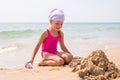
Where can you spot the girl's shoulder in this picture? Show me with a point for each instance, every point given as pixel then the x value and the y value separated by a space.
pixel 61 33
pixel 44 33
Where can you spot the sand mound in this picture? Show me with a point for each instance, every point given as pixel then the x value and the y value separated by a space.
pixel 95 67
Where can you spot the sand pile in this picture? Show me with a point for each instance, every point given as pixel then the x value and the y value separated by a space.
pixel 95 67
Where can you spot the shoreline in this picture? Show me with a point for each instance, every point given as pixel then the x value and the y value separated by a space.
pixel 53 73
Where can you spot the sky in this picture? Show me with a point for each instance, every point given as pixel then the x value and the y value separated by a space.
pixel 74 10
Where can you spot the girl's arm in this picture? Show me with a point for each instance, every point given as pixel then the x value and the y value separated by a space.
pixel 42 37
pixel 63 47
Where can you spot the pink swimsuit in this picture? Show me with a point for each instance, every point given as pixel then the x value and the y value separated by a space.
pixel 50 43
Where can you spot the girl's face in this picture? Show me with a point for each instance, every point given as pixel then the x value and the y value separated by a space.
pixel 56 25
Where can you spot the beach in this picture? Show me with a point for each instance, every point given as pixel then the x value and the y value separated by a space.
pixel 52 73
pixel 17 42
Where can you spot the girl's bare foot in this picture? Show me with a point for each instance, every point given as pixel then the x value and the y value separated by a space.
pixel 41 63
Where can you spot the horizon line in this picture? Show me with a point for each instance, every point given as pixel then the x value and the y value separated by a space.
pixel 64 22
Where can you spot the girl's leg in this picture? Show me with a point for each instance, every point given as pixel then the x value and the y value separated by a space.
pixel 47 62
pixel 51 60
pixel 66 56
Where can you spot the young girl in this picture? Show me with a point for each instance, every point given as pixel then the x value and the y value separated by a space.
pixel 49 40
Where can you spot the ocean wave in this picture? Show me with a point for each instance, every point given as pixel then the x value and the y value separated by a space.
pixel 7 49
pixel 11 47
pixel 18 33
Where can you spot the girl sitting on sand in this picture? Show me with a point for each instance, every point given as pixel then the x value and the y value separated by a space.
pixel 49 40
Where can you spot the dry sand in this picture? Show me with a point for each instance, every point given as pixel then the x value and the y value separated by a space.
pixel 38 73
pixel 52 73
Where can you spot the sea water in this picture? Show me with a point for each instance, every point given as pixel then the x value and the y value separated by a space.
pixel 17 40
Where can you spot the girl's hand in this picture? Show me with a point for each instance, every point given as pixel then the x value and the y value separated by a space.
pixel 76 57
pixel 29 64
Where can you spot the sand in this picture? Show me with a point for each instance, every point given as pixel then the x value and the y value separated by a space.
pixel 38 73
pixel 53 73
pixel 96 66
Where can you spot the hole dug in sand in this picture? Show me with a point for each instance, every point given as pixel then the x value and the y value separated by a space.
pixel 95 67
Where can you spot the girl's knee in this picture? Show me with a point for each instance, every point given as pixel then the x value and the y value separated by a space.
pixel 68 58
pixel 71 56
